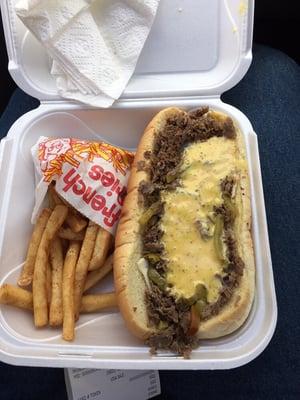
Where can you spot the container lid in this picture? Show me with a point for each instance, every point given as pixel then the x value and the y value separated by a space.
pixel 196 48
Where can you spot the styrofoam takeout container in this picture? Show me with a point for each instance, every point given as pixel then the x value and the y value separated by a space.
pixel 196 50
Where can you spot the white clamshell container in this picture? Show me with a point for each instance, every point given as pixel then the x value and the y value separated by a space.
pixel 196 50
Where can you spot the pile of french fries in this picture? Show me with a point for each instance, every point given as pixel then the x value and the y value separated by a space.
pixel 67 255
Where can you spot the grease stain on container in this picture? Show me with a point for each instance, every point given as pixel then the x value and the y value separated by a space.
pixel 243 8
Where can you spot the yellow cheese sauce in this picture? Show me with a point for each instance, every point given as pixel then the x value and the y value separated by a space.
pixel 191 258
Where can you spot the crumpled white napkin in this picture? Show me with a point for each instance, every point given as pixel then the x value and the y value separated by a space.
pixel 94 44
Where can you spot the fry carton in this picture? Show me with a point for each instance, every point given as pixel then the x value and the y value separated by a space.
pixel 91 176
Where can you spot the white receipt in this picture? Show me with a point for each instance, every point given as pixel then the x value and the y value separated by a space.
pixel 111 384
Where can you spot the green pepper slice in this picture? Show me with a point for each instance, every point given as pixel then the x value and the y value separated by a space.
pixel 218 243
pixel 230 206
pixel 199 306
pixel 200 294
pixel 156 278
pixel 148 214
pixel 153 258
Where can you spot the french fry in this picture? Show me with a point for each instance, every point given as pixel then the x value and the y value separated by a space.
pixel 85 255
pixel 98 302
pixel 51 200
pixel 54 198
pixel 49 282
pixel 68 290
pixel 21 298
pixel 96 276
pixel 67 233
pixel 102 246
pixel 26 275
pixel 39 284
pixel 16 296
pixel 57 263
pixel 65 244
pixel 76 222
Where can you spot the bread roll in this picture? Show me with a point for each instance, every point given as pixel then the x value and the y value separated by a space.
pixel 184 265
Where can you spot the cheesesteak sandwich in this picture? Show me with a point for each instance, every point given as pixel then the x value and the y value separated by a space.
pixel 184 265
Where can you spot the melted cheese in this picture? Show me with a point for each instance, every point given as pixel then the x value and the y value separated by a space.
pixel 191 259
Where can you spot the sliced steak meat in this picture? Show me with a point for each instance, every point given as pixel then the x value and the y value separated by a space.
pixel 164 308
pixel 227 186
pixel 172 317
pixel 149 193
pixel 180 131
